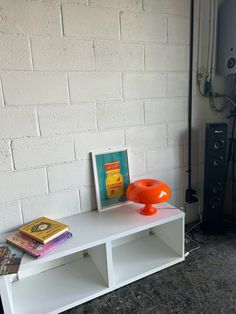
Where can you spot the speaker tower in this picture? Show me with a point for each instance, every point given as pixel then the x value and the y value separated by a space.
pixel 214 176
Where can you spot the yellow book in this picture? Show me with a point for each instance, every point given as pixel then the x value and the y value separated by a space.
pixel 43 229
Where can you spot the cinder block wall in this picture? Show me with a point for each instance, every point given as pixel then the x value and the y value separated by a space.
pixel 90 74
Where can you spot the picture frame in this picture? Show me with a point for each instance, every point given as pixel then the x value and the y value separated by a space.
pixel 111 177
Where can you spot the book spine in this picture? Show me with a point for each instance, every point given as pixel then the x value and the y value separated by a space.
pixel 54 243
pixel 45 241
pixel 54 236
pixel 31 236
pixel 24 247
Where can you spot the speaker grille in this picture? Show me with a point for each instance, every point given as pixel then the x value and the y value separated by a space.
pixel 214 175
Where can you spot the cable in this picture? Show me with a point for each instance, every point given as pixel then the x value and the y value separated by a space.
pixel 194 226
pixel 214 107
pixel 187 232
pixel 197 223
pixel 209 76
pixel 216 95
pixel 195 248
pixel 200 91
pixel 229 99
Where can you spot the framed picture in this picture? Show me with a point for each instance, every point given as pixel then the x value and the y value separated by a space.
pixel 111 176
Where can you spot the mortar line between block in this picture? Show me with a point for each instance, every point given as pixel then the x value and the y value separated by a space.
pixel 11 156
pixel 37 123
pixel 31 54
pixel 61 21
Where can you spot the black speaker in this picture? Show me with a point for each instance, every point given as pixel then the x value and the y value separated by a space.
pixel 214 176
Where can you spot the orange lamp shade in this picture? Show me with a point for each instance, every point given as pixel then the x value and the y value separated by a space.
pixel 148 192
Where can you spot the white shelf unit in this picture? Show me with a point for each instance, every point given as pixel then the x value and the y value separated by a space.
pixel 108 250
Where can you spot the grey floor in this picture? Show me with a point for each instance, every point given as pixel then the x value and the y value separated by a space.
pixel 204 283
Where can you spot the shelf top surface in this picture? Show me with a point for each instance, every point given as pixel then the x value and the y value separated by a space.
pixel 93 228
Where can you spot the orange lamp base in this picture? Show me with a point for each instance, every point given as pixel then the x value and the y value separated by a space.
pixel 148 210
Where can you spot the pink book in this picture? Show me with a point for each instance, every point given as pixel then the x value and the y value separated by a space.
pixel 34 247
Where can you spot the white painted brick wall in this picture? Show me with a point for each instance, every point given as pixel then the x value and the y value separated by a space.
pixel 37 152
pixel 77 22
pixel 159 175
pixel 78 76
pixel 177 197
pixel 177 7
pixel 14 220
pixel 130 5
pixel 17 185
pixel 5 158
pixel 177 132
pixel 95 86
pixel 16 123
pixel 67 118
pixel 178 30
pixel 143 27
pixel 137 164
pixel 70 175
pixel 176 178
pixel 26 88
pixel 83 2
pixel 145 85
pixel 165 109
pixel 87 142
pixel 120 114
pixel 119 56
pixel 88 199
pixel 198 150
pixel 58 54
pixel 29 17
pixel 177 84
pixel 55 206
pixel 165 158
pixel 149 136
pixel 166 57
pixel 14 53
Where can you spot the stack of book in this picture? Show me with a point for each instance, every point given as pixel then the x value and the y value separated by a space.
pixel 40 236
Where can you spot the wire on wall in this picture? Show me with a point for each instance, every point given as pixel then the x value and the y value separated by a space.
pixel 206 74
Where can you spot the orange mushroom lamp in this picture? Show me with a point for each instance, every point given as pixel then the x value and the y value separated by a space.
pixel 148 192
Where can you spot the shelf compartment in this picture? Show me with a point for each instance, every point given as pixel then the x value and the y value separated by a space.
pixel 124 247
pixel 148 251
pixel 62 287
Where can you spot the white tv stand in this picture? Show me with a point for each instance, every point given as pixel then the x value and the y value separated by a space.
pixel 108 250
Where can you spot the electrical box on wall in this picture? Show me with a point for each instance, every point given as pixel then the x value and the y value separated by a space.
pixel 226 59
